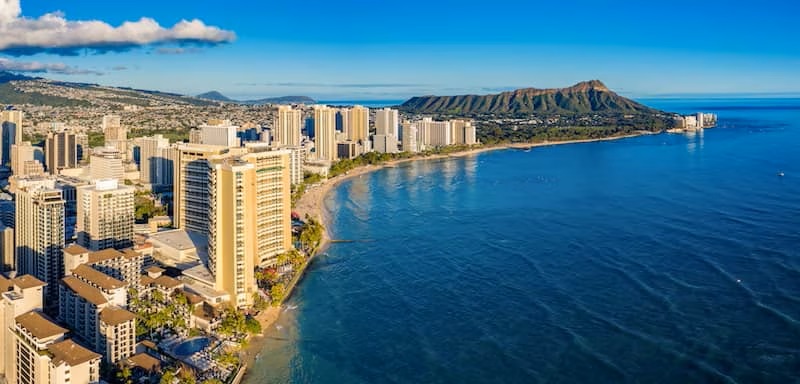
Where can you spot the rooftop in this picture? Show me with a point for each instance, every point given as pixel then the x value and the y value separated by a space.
pixel 69 352
pixel 75 249
pixel 91 294
pixel 167 282
pixel 144 361
pixel 106 254
pixel 39 326
pixel 180 239
pixel 96 277
pixel 28 281
pixel 116 316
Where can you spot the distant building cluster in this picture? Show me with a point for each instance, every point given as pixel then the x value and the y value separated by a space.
pixel 699 120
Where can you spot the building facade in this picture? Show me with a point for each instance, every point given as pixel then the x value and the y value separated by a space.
pixel 39 234
pixel 325 133
pixel 61 151
pixel 287 127
pixel 105 215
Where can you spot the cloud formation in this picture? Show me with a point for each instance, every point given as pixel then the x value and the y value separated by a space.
pixel 37 67
pixel 53 33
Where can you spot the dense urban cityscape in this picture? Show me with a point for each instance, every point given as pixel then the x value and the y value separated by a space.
pixel 145 252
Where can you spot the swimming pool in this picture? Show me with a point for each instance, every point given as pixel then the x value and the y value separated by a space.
pixel 191 346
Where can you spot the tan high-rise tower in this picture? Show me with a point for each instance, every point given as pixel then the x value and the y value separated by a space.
pixel 287 126
pixel 39 232
pixel 232 227
pixel 190 185
pixel 115 134
pixel 359 124
pixel 325 132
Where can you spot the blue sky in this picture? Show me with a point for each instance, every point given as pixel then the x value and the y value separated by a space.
pixel 360 49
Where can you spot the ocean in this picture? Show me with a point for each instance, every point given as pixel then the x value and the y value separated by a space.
pixel 657 259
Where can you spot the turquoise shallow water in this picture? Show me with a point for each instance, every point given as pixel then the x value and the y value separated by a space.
pixel 665 258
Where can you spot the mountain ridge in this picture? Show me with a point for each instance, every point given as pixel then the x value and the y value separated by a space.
pixel 591 96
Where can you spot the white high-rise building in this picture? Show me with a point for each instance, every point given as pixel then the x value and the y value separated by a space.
pixel 155 160
pixel 387 121
pixel 288 124
pixel 325 132
pixel 433 133
pixel 409 135
pixel 105 215
pixel 462 132
pixel 106 163
pixel 384 144
pixel 220 133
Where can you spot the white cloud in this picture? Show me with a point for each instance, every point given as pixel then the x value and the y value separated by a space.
pixel 53 33
pixel 37 67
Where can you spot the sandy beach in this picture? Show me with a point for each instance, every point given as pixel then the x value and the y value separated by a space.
pixel 312 203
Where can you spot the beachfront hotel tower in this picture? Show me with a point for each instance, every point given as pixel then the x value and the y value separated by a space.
pixel 325 132
pixel 190 186
pixel 232 228
pixel 288 123
pixel 105 215
pixel 386 122
pixel 358 124
pixel 249 221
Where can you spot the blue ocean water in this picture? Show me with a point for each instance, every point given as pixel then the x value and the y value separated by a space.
pixel 657 259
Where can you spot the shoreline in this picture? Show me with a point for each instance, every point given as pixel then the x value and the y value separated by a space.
pixel 312 203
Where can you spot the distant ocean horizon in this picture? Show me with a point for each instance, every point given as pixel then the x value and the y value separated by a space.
pixel 669 258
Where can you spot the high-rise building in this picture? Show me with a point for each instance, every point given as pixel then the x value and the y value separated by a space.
pixel 387 121
pixel 221 133
pixel 116 135
pixel 155 164
pixel 69 192
pixel 232 228
pixel 26 159
pixel 409 137
pixel 39 233
pixel 358 129
pixel 249 222
pixel 190 185
pixel 343 120
pixel 325 132
pixel 297 156
pixel 288 124
pixel 462 132
pixel 18 296
pixel 61 151
pixel 10 132
pixel 105 215
pixel 106 163
pixel 273 204
pixel 7 253
pixel 433 133
pixel 195 137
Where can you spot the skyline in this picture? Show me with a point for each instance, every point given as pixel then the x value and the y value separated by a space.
pixel 350 50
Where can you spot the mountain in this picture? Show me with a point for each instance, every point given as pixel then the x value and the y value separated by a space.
pixel 20 90
pixel 216 96
pixel 582 98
